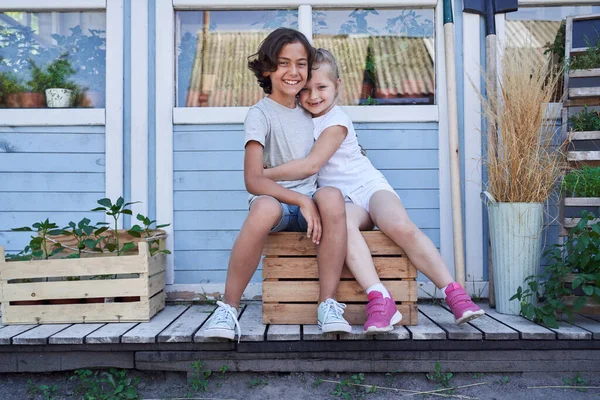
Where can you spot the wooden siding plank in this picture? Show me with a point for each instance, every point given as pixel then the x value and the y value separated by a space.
pixel 229 220
pixel 209 276
pixel 109 333
pixel 75 334
pixel 528 330
pixel 52 162
pixel 588 324
pixel 22 201
pixel 8 332
pixel 313 332
pixel 250 321
pixel 426 330
pixel 78 182
pixel 444 319
pixel 276 333
pixel 146 332
pixel 199 336
pixel 10 220
pixel 182 330
pixel 53 142
pixel 83 129
pixel 234 180
pixel 39 335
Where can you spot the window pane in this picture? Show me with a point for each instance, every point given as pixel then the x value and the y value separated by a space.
pixel 212 55
pixel 52 50
pixel 539 29
pixel 384 56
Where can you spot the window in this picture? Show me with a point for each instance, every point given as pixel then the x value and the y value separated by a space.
pixel 212 52
pixel 542 29
pixel 65 51
pixel 385 56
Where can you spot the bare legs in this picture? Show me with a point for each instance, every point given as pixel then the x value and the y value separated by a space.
pixel 358 258
pixel 388 213
pixel 331 252
pixel 247 249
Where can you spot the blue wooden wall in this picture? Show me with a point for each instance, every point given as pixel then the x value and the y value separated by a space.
pixel 48 172
pixel 210 200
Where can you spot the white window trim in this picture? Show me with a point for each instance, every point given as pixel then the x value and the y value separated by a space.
pixel 236 115
pixel 166 115
pixel 111 116
pixel 547 3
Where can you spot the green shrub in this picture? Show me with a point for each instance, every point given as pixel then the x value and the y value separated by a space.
pixel 583 182
pixel 585 121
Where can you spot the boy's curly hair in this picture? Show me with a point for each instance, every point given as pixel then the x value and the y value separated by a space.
pixel 265 60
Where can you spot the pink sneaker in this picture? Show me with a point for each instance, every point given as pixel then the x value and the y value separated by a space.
pixel 461 304
pixel 382 314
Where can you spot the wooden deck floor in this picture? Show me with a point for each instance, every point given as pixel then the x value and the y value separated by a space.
pixel 173 339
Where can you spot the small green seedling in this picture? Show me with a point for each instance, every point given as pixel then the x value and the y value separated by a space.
pixel 440 377
pixel 317 382
pixel 477 375
pixel 577 380
pixel 199 377
pixel 256 382
pixel 504 379
pixel 47 392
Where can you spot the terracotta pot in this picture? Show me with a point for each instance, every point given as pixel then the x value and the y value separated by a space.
pixel 12 100
pixel 32 100
pixel 91 99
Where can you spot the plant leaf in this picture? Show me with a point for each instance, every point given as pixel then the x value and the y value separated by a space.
pixel 105 202
pixel 127 246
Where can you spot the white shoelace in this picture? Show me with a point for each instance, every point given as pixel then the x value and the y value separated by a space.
pixel 334 308
pixel 222 315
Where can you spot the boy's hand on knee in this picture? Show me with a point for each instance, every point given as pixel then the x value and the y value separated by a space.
pixel 309 210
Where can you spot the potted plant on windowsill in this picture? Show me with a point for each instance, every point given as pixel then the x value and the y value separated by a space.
pixel 95 273
pixel 11 89
pixel 53 79
pixel 523 169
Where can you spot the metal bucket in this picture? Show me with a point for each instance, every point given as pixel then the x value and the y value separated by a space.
pixel 516 238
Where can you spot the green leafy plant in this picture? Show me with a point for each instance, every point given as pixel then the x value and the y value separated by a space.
pixel 115 211
pixel 585 120
pixel 10 83
pixel 106 385
pixel 557 48
pixel 39 246
pixel 504 379
pixel 577 380
pixel 542 299
pixel 588 60
pixel 439 376
pixel 583 182
pixel 199 377
pixel 256 382
pixel 148 230
pixel 85 235
pixel 317 382
pixel 47 392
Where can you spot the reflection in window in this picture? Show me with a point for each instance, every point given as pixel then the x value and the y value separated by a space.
pixel 61 51
pixel 212 55
pixel 542 29
pixel 385 56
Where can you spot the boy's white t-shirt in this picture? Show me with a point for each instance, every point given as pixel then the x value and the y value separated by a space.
pixel 347 169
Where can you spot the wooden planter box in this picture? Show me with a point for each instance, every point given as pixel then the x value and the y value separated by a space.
pixel 592 202
pixel 290 289
pixel 583 91
pixel 133 293
pixel 591 307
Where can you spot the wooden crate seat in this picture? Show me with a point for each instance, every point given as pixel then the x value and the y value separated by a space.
pixel 290 289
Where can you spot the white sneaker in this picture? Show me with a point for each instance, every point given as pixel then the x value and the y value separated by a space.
pixel 223 323
pixel 330 317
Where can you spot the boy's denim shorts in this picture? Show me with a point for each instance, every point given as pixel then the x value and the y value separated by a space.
pixel 291 220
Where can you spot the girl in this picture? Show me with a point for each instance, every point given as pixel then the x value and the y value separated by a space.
pixel 370 200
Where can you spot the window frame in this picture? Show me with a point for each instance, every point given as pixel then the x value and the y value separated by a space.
pixel 111 117
pixel 393 113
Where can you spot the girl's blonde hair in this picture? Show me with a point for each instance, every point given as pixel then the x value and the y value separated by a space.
pixel 323 56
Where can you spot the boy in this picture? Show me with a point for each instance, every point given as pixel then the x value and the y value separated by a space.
pixel 277 130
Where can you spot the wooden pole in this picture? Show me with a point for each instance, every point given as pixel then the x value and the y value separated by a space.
pixel 491 62
pixel 451 95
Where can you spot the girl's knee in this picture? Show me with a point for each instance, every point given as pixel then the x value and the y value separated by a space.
pixel 405 231
pixel 329 193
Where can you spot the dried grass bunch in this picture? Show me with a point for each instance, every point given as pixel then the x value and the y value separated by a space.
pixel 525 158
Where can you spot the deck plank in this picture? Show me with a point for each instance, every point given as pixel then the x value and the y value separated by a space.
pixel 110 333
pixel 445 320
pixel 9 331
pixel 398 333
pixel 253 330
pixel 528 330
pixel 75 334
pixel 40 334
pixel 313 332
pixel 588 324
pixel 185 326
pixel 277 333
pixel 146 332
pixel 426 330
pixel 567 331
pixel 199 336
pixel 358 333
pixel 492 329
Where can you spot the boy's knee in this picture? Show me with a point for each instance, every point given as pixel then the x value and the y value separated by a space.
pixel 265 209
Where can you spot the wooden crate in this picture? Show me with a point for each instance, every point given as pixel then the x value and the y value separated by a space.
pixel 290 289
pixel 137 280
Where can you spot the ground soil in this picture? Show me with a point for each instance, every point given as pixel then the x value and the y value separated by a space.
pixel 282 386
